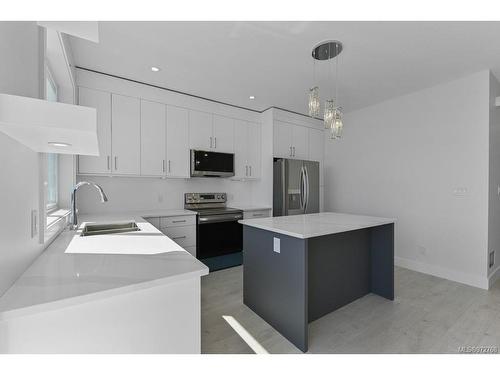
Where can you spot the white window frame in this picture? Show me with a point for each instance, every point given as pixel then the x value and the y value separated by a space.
pixel 51 207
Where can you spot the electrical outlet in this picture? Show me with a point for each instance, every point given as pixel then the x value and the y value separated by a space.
pixel 492 259
pixel 276 245
pixel 34 223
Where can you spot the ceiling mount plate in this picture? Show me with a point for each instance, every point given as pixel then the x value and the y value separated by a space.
pixel 327 50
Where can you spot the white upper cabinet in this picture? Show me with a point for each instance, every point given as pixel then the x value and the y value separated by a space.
pixel 290 141
pixel 300 142
pixel 282 139
pixel 211 132
pixel 177 164
pixel 240 147
pixel 200 130
pixel 223 134
pixel 101 101
pixel 316 144
pixel 254 150
pixel 247 150
pixel 153 138
pixel 126 127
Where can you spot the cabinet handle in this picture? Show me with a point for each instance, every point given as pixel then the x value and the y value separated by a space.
pixel 178 238
pixel 215 142
pixel 178 221
pixel 290 150
pixel 246 170
pixel 116 164
pixel 257 215
pixel 169 166
pixel 108 163
pixel 250 168
pixel 293 150
pixel 210 142
pixel 163 165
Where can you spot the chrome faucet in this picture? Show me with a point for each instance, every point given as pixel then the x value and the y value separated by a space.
pixel 74 219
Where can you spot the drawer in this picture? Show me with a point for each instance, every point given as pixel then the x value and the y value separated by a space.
pixel 177 221
pixel 184 236
pixel 256 214
pixel 191 250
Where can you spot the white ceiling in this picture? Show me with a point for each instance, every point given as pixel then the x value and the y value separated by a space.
pixel 229 61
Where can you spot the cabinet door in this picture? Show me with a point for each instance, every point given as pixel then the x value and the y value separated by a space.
pixel 101 101
pixel 282 139
pixel 254 150
pixel 200 130
pixel 223 140
pixel 300 142
pixel 316 144
pixel 153 124
pixel 240 149
pixel 177 142
pixel 126 133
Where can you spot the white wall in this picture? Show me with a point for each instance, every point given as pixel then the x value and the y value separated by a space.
pixel 19 75
pixel 422 159
pixel 494 180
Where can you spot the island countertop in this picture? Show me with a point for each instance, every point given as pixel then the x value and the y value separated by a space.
pixel 315 225
pixel 72 271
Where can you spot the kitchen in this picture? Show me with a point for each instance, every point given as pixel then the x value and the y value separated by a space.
pixel 181 212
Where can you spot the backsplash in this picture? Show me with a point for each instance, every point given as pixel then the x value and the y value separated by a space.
pixel 130 194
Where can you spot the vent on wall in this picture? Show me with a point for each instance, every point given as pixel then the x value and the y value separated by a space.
pixel 492 259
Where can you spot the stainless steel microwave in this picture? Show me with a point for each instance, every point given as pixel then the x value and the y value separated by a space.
pixel 211 164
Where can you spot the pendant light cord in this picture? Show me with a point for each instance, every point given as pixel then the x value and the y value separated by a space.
pixel 336 73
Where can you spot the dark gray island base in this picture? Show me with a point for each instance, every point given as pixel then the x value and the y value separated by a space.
pixel 311 277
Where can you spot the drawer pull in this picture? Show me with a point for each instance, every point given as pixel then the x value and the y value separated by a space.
pixel 258 215
pixel 178 221
pixel 179 238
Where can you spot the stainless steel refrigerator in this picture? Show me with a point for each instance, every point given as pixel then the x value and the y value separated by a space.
pixel 295 187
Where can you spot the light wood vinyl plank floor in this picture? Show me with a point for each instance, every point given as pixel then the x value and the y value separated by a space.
pixel 428 315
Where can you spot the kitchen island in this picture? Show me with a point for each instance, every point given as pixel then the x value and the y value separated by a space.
pixel 134 292
pixel 298 268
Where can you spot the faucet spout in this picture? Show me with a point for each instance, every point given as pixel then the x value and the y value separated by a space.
pixel 74 218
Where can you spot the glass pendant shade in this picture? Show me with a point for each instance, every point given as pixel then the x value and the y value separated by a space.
pixel 337 127
pixel 329 114
pixel 314 104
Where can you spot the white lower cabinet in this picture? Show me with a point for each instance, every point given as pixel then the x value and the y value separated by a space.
pixel 181 229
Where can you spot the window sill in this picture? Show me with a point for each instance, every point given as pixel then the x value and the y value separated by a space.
pixel 55 224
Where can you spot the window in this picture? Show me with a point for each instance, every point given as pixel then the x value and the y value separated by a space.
pixel 52 159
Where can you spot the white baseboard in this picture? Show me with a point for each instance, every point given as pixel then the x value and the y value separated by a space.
pixel 446 273
pixel 493 278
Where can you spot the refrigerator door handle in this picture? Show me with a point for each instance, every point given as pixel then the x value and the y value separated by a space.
pixel 285 188
pixel 306 181
pixel 302 189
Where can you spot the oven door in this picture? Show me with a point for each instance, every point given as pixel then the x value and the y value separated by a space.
pixel 219 235
pixel 211 164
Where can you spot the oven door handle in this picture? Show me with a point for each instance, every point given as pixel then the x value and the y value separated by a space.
pixel 219 218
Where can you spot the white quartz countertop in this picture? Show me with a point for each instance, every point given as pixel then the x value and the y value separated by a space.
pixel 315 225
pixel 72 270
pixel 246 207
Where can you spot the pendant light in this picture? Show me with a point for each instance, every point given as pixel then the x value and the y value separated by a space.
pixel 332 113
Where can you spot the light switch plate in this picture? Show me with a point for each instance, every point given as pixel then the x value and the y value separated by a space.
pixel 276 245
pixel 34 223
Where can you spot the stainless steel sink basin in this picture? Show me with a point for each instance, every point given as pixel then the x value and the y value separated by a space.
pixel 111 228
